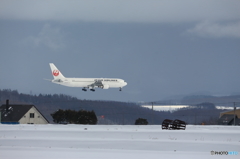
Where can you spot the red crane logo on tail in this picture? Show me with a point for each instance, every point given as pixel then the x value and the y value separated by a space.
pixel 55 72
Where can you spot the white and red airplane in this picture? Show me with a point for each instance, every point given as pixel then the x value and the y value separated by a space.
pixel 90 83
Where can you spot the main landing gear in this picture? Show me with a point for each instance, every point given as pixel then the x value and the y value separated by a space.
pixel 92 89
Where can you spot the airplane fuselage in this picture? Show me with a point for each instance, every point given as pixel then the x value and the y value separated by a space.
pixel 86 82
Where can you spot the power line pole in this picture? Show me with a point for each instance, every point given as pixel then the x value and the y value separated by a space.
pixel 195 119
pixel 152 114
pixel 234 109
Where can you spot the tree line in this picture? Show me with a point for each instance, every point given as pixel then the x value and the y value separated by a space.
pixel 74 117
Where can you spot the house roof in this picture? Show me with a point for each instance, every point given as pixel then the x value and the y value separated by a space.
pixel 237 112
pixel 15 112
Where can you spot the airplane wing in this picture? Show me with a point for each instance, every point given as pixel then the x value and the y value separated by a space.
pixel 56 80
pixel 96 84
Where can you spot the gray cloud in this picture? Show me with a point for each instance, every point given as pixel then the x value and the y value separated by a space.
pixel 49 36
pixel 121 10
pixel 216 30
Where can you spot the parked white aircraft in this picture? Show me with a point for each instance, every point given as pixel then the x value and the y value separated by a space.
pixel 85 83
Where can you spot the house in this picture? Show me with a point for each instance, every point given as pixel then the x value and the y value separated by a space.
pixel 227 118
pixel 21 114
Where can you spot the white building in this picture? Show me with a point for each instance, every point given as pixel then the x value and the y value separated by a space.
pixel 21 114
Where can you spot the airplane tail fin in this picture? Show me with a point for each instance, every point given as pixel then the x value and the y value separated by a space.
pixel 55 72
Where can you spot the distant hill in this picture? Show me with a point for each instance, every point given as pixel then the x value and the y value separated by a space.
pixel 196 99
pixel 222 100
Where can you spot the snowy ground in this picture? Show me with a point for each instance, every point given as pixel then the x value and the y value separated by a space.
pixel 116 142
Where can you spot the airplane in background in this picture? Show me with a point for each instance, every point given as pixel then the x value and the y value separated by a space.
pixel 86 83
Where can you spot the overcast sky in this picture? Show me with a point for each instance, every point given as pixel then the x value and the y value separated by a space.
pixel 161 48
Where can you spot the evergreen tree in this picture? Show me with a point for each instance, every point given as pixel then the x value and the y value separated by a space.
pixel 141 121
pixel 59 116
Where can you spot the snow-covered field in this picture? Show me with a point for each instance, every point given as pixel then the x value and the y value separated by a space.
pixel 116 142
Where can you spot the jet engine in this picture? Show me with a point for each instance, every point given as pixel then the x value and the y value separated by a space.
pixel 105 86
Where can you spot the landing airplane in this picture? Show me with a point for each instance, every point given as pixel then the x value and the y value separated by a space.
pixel 86 83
